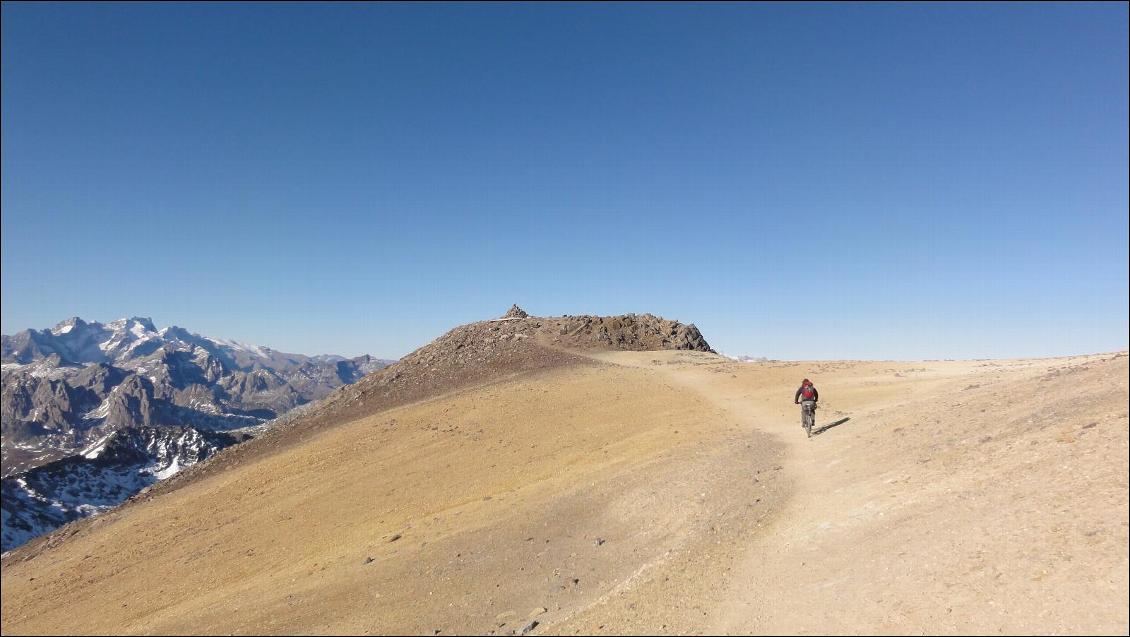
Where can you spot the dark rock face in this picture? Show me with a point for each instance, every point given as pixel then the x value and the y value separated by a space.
pixel 79 382
pixel 628 332
pixel 104 475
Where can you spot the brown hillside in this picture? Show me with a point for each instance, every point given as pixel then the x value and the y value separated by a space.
pixel 467 356
pixel 640 492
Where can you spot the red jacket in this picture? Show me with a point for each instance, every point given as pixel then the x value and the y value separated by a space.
pixel 815 394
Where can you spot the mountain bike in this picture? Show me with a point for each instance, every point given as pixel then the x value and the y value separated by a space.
pixel 808 416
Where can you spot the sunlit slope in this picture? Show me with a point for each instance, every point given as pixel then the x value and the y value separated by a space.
pixel 668 492
pixel 995 502
pixel 972 497
pixel 543 492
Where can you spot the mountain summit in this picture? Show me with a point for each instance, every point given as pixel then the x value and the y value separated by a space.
pixel 468 356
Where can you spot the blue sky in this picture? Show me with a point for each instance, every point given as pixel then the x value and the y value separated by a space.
pixel 800 181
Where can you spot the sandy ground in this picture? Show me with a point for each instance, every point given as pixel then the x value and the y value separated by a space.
pixel 665 492
pixel 962 497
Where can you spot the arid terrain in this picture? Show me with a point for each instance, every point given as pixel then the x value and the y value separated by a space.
pixel 632 492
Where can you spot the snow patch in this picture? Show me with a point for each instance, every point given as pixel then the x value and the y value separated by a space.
pixel 170 470
pixel 95 450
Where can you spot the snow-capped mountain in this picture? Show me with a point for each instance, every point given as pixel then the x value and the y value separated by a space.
pixel 127 342
pixel 747 359
pixel 78 383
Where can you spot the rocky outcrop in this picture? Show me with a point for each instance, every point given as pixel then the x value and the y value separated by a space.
pixel 625 332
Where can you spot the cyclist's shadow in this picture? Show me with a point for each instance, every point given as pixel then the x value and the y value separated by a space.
pixel 820 430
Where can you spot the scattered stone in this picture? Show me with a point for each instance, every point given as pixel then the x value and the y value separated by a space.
pixel 540 610
pixel 599 541
pixel 395 537
pixel 369 560
pixel 528 627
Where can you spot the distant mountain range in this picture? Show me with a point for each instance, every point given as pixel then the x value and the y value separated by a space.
pixel 747 359
pixel 93 413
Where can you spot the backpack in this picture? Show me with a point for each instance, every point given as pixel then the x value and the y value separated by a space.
pixel 808 393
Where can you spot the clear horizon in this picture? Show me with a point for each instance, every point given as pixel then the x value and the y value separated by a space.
pixel 802 182
pixel 160 325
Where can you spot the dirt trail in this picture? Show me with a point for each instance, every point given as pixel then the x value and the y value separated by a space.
pixel 943 505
